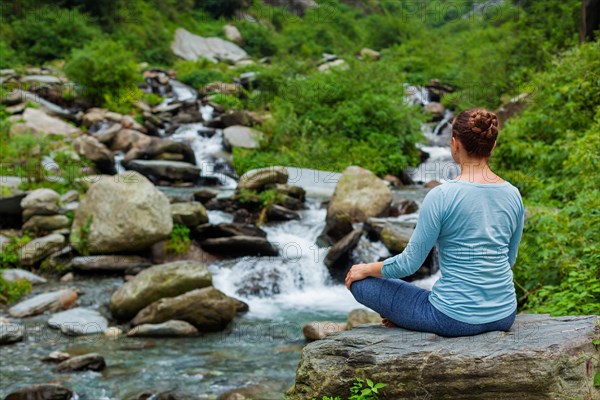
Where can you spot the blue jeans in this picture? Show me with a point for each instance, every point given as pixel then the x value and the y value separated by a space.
pixel 408 306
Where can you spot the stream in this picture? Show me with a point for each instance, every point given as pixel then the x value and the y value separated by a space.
pixel 260 347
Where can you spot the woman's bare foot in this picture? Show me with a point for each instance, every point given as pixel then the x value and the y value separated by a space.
pixel 387 322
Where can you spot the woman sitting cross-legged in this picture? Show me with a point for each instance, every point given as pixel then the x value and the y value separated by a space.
pixel 477 222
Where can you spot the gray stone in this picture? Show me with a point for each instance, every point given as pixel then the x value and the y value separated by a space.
pixel 190 47
pixel 154 283
pixel 40 202
pixel 52 301
pixel 157 170
pixel 232 34
pixel 541 357
pixel 189 214
pixel 242 136
pixel 15 274
pixel 172 328
pixel 337 64
pixel 256 179
pixel 46 391
pixel 366 53
pixel 341 250
pixel 46 223
pixel 40 248
pixel 79 321
pixel 121 213
pixel 11 196
pixel 86 362
pixel 208 309
pixel 275 212
pixel 360 316
pixel 11 332
pixel 90 148
pixel 41 79
pixel 37 121
pixel 110 263
pixel 69 197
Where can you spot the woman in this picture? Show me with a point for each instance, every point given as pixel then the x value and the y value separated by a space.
pixel 477 222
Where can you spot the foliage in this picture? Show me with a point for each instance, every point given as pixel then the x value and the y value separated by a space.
pixel 106 70
pixel 8 57
pixel 179 242
pixel 227 101
pixel 197 73
pixel 258 39
pixel 50 32
pixel 13 291
pixel 219 8
pixel 9 258
pixel 360 392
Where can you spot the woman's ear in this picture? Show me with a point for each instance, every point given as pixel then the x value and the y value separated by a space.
pixel 494 146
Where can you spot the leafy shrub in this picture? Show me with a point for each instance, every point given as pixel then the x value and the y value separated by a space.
pixel 360 392
pixel 197 73
pixel 8 57
pixel 50 32
pixel 179 242
pixel 13 291
pixel 258 39
pixel 218 8
pixel 106 70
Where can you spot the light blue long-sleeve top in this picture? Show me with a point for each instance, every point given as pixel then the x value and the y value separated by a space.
pixel 477 227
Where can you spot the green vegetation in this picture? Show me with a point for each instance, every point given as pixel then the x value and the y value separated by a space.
pixel 9 258
pixel 179 242
pixel 360 392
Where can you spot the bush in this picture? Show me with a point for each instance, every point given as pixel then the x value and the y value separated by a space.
pixel 50 32
pixel 179 242
pixel 107 72
pixel 198 73
pixel 258 39
pixel 218 8
pixel 8 57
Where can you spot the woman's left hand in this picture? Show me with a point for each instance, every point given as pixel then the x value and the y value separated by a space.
pixel 357 272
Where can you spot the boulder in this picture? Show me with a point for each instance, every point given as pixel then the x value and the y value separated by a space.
pixel 276 212
pixel 90 148
pixel 86 362
pixel 159 170
pixel 541 357
pixel 189 214
pixel 208 309
pixel 154 283
pixel 70 197
pixel 46 223
pixel 395 237
pixel 231 89
pixel 238 246
pixel 40 248
pixel 56 357
pixel 15 274
pixel 110 263
pixel 11 332
pixel 121 213
pixel 105 136
pixel 37 121
pixel 190 47
pixel 126 139
pixel 52 301
pixel 79 321
pixel 172 328
pixel 46 391
pixel 366 53
pixel 232 34
pixel 11 196
pixel 257 179
pixel 227 229
pixel 319 329
pixel 360 316
pixel 40 202
pixel 242 136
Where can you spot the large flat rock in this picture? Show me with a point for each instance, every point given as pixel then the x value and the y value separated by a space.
pixel 541 357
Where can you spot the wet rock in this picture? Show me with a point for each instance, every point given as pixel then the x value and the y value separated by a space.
pixel 208 309
pixel 40 248
pixel 113 332
pixel 237 246
pixel 337 225
pixel 160 149
pixel 40 202
pixel 158 170
pixel 339 254
pixel 204 195
pixel 172 328
pixel 241 307
pixel 403 207
pixel 126 139
pixel 276 212
pixel 436 110
pixel 395 237
pixel 37 121
pixel 110 263
pixel 56 357
pixel 230 89
pixel 160 396
pixel 319 329
pixel 46 223
pixel 121 213
pixel 189 47
pixel 68 277
pixel 227 229
pixel 541 357
pixel 512 108
pixel 154 283
pixel 189 214
pixel 46 391
pixel 11 197
pixel 257 179
pixel 90 148
pixel 86 362
pixel 79 321
pixel 361 316
pixel 52 301
pixel 11 332
pixel 242 136
pixel 106 135
pixel 12 275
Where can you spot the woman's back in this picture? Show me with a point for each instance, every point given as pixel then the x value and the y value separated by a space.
pixel 480 229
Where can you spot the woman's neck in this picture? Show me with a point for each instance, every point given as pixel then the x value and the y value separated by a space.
pixel 478 171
